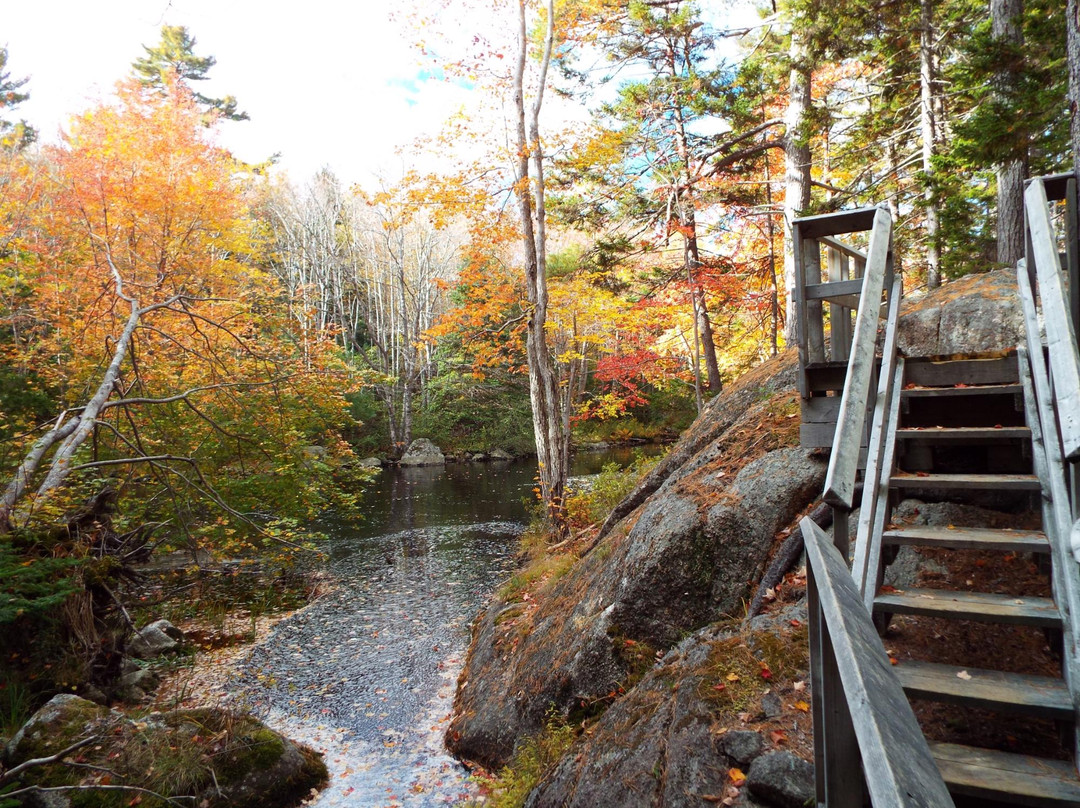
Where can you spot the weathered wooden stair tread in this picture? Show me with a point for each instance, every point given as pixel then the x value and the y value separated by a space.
pixel 980 606
pixel 997 482
pixel 970 538
pixel 1013 779
pixel 995 690
pixel 969 390
pixel 942 433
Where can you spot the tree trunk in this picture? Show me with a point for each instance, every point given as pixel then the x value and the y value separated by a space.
pixel 1072 46
pixel 796 162
pixel 928 124
pixel 1005 17
pixel 552 442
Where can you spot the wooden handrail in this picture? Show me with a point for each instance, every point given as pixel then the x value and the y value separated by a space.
pixel 1060 333
pixel 841 247
pixel 847 440
pixel 897 765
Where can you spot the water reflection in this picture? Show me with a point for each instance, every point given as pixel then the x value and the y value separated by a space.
pixel 367 673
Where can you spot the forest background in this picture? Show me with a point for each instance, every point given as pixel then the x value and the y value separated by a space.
pixel 195 350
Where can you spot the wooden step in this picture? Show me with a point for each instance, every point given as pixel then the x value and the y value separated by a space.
pixel 979 371
pixel 1008 778
pixel 1042 696
pixel 966 482
pixel 969 390
pixel 969 538
pixel 979 606
pixel 966 433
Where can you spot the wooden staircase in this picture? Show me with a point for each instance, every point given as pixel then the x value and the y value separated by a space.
pixel 1000 432
pixel 962 439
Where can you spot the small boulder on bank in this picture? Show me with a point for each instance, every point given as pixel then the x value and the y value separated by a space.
pixel 212 756
pixel 370 463
pixel 155 639
pixel 500 454
pixel 422 452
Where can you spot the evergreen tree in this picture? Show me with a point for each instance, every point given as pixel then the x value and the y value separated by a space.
pixel 13 134
pixel 175 53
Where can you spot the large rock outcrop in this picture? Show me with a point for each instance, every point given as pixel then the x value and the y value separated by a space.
pixel 975 314
pixel 684 559
pixel 700 716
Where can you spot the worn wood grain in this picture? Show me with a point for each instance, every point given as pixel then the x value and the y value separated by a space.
pixel 931 373
pixel 969 538
pixel 1060 332
pixel 1012 779
pixel 843 461
pixel 967 482
pixel 981 607
pixel 899 768
pixel 1001 691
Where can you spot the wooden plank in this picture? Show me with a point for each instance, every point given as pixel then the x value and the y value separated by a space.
pixel 824 376
pixel 1042 696
pixel 1055 185
pixel 969 538
pixel 967 482
pixel 879 460
pixel 1060 333
pixel 946 373
pixel 981 607
pixel 817 436
pixel 937 434
pixel 970 390
pixel 834 289
pixel 815 314
pixel 843 461
pixel 1011 779
pixel 844 249
pixel 836 224
pixel 798 302
pixel 839 316
pixel 820 409
pixel 1072 247
pixel 897 764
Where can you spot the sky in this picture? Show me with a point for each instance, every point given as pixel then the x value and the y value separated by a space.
pixel 326 82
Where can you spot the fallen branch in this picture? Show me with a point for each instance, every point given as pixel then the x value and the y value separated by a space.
pixel 786 557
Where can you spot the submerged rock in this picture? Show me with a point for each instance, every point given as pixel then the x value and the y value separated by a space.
pixel 422 452
pixel 213 756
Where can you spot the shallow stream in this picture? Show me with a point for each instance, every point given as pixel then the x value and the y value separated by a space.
pixel 367 673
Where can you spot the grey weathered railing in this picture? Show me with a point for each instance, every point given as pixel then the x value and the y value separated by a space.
pixel 1060 330
pixel 829 274
pixel 1052 398
pixel 847 441
pixel 860 710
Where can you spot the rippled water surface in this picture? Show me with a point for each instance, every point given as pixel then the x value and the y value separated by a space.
pixel 367 673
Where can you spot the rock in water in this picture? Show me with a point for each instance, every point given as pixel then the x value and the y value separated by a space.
pixel 422 452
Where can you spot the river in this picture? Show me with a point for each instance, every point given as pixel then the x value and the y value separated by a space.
pixel 367 674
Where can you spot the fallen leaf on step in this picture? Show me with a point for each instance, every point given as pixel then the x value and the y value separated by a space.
pixel 736 777
pixel 802 706
pixel 963 675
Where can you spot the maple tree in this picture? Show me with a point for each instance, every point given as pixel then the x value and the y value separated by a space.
pixel 150 321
